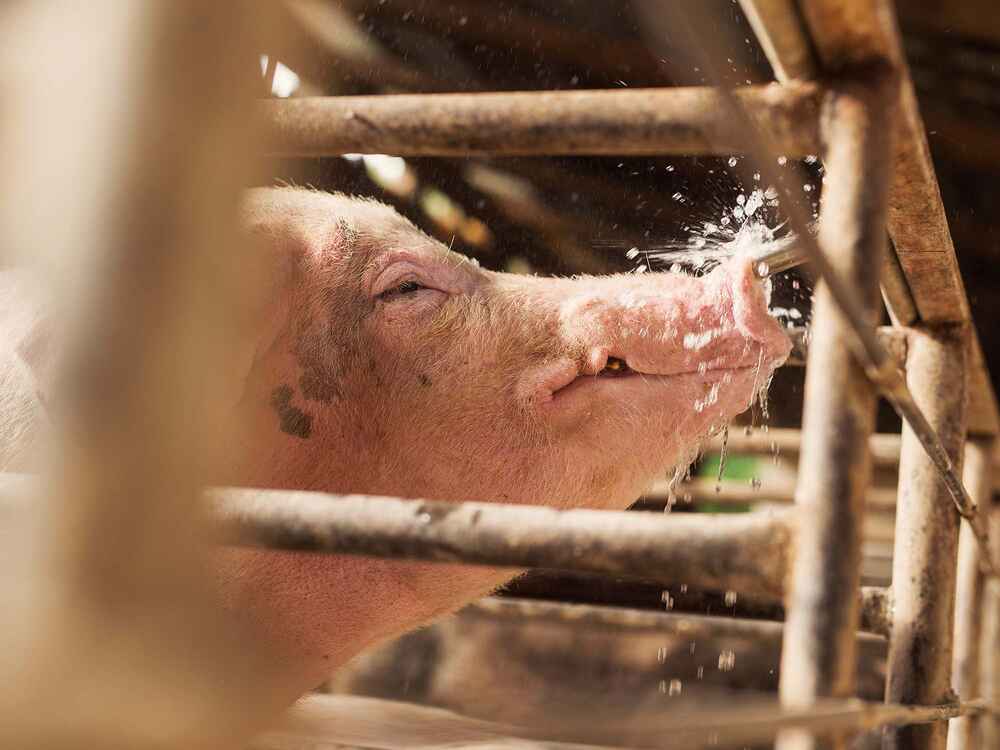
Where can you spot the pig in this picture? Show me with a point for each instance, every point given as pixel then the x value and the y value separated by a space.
pixel 383 363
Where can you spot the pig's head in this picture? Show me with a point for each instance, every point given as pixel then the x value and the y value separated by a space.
pixel 388 364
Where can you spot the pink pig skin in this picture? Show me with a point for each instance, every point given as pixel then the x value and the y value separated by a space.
pixel 382 363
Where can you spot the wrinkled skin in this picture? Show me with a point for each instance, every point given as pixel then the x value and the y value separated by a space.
pixel 386 364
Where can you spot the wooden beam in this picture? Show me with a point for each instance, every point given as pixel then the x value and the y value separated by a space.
pixel 745 552
pixel 858 33
pixel 354 721
pixel 684 121
pixel 927 531
pixel 819 653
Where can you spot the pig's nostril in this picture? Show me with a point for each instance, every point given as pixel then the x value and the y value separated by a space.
pixel 616 366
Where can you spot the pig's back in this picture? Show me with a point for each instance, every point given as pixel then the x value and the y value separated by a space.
pixel 21 413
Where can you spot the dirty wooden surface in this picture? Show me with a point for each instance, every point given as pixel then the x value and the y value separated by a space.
pixel 650 121
pixel 927 529
pixel 818 659
pixel 746 552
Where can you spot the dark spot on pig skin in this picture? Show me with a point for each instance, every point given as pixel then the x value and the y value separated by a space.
pixel 424 380
pixel 294 421
pixel 319 386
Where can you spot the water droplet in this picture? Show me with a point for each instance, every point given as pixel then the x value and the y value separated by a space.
pixel 733 161
pixel 667 599
pixel 755 483
pixel 782 160
pixel 701 673
pixel 661 654
pixel 424 518
pixel 727 661
pixel 730 598
pixel 675 687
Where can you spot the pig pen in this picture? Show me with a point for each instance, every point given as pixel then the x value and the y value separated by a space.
pixel 912 664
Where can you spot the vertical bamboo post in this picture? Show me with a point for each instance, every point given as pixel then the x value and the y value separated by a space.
pixel 818 655
pixel 926 547
pixel 963 732
pixel 989 673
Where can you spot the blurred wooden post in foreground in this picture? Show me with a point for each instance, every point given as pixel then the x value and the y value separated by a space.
pixel 124 144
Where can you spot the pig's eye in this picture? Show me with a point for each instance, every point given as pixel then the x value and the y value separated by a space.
pixel 401 290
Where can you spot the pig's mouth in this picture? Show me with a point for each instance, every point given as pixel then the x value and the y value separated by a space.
pixel 616 368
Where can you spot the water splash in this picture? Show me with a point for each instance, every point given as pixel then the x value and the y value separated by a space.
pixel 709 242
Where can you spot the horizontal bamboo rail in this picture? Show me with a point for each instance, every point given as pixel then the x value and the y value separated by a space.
pixel 734 492
pixel 751 550
pixel 682 121
pixel 745 553
pixel 874 603
pixel 786 442
pixel 354 721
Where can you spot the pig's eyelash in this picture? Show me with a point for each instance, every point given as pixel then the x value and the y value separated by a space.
pixel 401 289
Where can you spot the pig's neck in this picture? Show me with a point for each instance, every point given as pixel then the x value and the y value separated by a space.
pixel 321 610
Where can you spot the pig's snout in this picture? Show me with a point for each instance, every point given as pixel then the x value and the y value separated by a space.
pixel 664 325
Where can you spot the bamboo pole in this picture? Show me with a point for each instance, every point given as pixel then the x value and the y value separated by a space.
pixel 818 658
pixel 778 27
pixel 688 624
pixel 970 598
pixel 745 552
pixel 246 517
pixel 353 721
pixel 924 564
pixel 682 121
pixel 989 672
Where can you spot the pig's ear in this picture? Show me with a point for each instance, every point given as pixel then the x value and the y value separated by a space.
pixel 272 265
